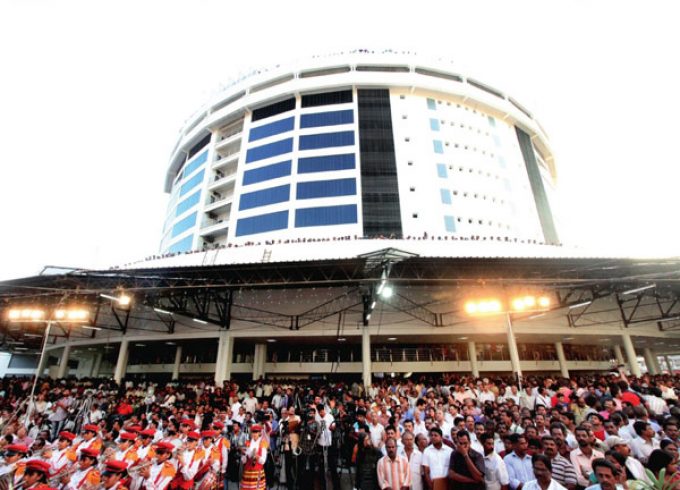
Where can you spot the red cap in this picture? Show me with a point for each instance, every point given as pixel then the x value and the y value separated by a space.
pixel 89 452
pixel 218 425
pixel 38 465
pixel 127 436
pixel 64 434
pixel 193 435
pixel 147 433
pixel 135 428
pixel 43 486
pixel 188 422
pixel 168 446
pixel 209 433
pixel 90 428
pixel 255 428
pixel 114 466
pixel 17 448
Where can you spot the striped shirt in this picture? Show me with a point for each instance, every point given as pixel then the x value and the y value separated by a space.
pixel 563 471
pixel 394 474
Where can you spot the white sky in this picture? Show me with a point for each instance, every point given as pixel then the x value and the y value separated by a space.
pixel 93 93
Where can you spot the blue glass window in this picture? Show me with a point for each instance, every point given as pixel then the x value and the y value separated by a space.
pixel 326 140
pixel 438 147
pixel 264 197
pixel 262 223
pixel 326 163
pixel 326 188
pixel 434 124
pixel 184 224
pixel 268 172
pixel 446 196
pixel 188 203
pixel 269 150
pixel 492 121
pixel 326 119
pixel 441 171
pixel 197 162
pixel 191 183
pixel 183 245
pixel 450 223
pixel 431 104
pixel 326 215
pixel 277 127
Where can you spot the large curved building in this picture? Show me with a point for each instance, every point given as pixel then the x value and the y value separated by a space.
pixel 355 215
pixel 359 144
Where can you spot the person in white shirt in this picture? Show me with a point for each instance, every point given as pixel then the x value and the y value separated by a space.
pixel 325 420
pixel 415 459
pixel 645 442
pixel 543 472
pixel 436 458
pixel 495 472
pixel 377 431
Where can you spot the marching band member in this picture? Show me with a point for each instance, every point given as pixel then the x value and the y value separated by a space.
pixel 86 475
pixel 89 439
pixel 64 454
pixel 112 476
pixel 158 475
pixel 145 450
pixel 15 460
pixel 253 460
pixel 223 444
pixel 35 474
pixel 126 450
pixel 212 459
pixel 188 463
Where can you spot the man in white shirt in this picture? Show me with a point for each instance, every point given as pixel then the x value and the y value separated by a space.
pixel 645 442
pixel 436 458
pixel 377 431
pixel 495 472
pixel 415 459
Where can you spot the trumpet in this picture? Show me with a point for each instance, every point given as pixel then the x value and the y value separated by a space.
pixel 135 469
pixel 55 480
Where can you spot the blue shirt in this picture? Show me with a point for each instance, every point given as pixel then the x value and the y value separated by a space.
pixel 519 469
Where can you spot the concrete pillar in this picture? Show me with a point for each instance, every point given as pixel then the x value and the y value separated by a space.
pixel 630 354
pixel 559 348
pixel 96 365
pixel 649 360
pixel 472 353
pixel 42 364
pixel 669 365
pixel 178 362
pixel 225 352
pixel 366 357
pixel 512 348
pixel 63 362
pixel 657 364
pixel 619 355
pixel 121 363
pixel 259 360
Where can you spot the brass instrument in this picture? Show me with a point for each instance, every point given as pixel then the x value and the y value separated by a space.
pixel 55 480
pixel 135 469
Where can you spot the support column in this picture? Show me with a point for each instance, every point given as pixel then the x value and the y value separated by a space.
pixel 657 364
pixel 259 360
pixel 63 362
pixel 366 357
pixel 649 361
pixel 669 365
pixel 559 348
pixel 512 348
pixel 631 355
pixel 96 365
pixel 121 364
pixel 619 355
pixel 42 364
pixel 225 352
pixel 472 354
pixel 178 362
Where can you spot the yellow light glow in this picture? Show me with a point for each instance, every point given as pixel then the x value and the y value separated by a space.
pixel 529 301
pixel 495 306
pixel 26 313
pixel 518 304
pixel 76 314
pixel 37 314
pixel 471 307
pixel 59 314
pixel 124 300
pixel 544 302
pixel 14 314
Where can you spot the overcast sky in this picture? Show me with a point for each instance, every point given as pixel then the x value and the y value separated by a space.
pixel 93 93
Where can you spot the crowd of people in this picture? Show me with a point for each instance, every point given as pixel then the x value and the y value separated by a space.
pixel 596 432
pixel 425 236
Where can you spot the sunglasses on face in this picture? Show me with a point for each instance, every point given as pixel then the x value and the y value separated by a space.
pixel 9 454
